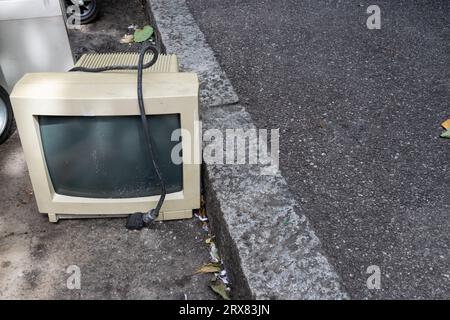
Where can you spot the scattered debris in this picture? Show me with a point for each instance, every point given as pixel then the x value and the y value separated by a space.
pixel 220 288
pixel 209 268
pixel 446 126
pixel 219 283
pixel 214 253
pixel 20 202
pixel 446 134
pixel 223 276
pixel 141 35
pixel 137 35
pixel 202 216
pixel 128 38
pixel 133 27
pixel 209 240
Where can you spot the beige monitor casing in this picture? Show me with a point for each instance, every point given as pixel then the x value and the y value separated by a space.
pixel 107 94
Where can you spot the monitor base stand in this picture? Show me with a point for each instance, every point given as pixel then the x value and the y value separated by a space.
pixel 53 217
pixel 164 215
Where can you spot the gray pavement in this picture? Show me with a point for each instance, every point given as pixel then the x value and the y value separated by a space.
pixel 359 113
pixel 156 263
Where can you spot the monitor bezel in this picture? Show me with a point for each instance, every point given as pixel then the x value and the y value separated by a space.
pixel 175 95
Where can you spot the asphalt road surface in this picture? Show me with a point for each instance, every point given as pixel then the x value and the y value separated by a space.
pixel 359 113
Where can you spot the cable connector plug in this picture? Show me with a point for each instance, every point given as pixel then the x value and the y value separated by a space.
pixel 150 216
pixel 137 221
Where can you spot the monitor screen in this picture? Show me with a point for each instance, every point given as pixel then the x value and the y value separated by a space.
pixel 107 157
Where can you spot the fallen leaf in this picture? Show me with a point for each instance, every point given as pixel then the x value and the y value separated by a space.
pixel 141 35
pixel 209 268
pixel 446 124
pixel 446 134
pixel 220 288
pixel 128 38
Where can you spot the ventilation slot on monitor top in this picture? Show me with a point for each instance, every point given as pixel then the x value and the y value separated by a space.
pixel 165 63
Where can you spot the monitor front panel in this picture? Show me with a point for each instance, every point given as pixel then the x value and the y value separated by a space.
pixel 107 157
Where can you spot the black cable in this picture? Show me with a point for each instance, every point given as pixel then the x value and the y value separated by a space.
pixel 153 213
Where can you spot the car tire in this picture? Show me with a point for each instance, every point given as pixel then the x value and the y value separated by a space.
pixel 7 124
pixel 88 11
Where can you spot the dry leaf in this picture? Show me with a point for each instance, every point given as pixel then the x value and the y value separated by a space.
pixel 446 124
pixel 220 288
pixel 209 268
pixel 202 201
pixel 128 38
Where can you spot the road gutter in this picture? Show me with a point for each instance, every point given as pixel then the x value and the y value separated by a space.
pixel 268 246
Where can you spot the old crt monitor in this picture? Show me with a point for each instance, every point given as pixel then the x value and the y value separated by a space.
pixel 84 146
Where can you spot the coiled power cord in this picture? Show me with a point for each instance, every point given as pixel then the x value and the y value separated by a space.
pixel 137 220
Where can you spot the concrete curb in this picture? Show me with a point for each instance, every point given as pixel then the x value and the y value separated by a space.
pixel 181 35
pixel 268 246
